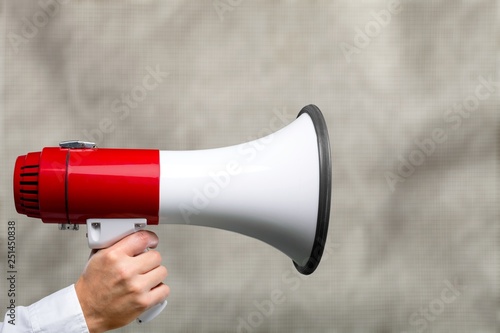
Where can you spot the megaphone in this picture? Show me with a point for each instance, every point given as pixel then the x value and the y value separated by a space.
pixel 276 189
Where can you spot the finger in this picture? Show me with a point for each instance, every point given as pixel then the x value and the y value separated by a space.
pixel 158 294
pixel 154 277
pixel 137 243
pixel 147 261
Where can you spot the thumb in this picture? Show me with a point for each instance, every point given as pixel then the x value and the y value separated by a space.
pixel 136 243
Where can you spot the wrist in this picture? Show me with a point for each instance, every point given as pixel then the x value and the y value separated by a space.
pixel 92 317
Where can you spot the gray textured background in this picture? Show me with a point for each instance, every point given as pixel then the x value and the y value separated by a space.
pixel 392 254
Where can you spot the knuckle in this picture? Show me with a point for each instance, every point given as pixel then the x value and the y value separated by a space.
pixel 166 290
pixel 156 256
pixel 142 303
pixel 134 288
pixel 123 273
pixel 111 257
pixel 163 271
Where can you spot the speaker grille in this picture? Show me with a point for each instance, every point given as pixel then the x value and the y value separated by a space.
pixel 26 185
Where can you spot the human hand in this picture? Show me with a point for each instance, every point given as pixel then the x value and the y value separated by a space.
pixel 121 282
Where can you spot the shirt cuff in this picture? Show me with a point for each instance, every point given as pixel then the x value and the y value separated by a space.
pixel 58 312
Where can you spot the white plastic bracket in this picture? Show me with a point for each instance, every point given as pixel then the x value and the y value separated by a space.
pixel 103 233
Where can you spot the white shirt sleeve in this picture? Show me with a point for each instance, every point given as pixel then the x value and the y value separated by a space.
pixel 59 312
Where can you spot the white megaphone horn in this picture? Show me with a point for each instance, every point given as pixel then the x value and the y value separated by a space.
pixel 276 189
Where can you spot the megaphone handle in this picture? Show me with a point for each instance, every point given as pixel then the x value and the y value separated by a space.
pixel 102 233
pixel 151 313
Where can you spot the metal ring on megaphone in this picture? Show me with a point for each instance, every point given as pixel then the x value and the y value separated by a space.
pixel 325 185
